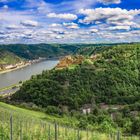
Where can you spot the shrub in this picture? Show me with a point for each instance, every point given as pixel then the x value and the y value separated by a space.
pixel 53 110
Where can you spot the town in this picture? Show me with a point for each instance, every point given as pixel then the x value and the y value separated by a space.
pixel 9 67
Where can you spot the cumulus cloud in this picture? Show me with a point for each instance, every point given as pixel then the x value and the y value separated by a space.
pixel 13 26
pixel 71 25
pixel 65 16
pixel 29 23
pixel 113 16
pixel 120 28
pixel 6 16
pixel 107 2
pixel 5 7
pixel 93 30
pixel 55 25
pixel 45 22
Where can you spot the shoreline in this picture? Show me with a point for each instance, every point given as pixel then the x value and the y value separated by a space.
pixel 19 67
pixel 27 64
pixel 4 90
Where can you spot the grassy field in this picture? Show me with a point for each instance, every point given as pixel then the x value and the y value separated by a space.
pixel 34 125
pixel 22 124
pixel 34 114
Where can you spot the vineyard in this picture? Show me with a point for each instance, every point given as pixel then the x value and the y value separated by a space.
pixel 18 124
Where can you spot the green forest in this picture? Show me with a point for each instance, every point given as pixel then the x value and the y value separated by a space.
pixel 14 53
pixel 33 51
pixel 108 80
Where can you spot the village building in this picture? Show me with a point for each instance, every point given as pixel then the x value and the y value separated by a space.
pixel 86 109
pixel 104 106
pixel 134 113
pixel 10 66
pixel 113 107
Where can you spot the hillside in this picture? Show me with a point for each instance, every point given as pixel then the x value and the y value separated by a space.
pixel 9 58
pixel 19 55
pixel 27 124
pixel 110 79
pixel 33 51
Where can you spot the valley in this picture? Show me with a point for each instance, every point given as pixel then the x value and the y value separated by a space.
pixel 69 69
pixel 96 91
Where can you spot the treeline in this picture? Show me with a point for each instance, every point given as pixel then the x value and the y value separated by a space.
pixel 12 53
pixel 113 78
pixel 33 51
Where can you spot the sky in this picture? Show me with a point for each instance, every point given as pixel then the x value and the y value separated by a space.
pixel 69 21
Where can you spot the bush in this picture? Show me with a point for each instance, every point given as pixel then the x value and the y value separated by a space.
pixel 106 127
pixel 53 110
pixel 136 126
pixel 30 106
pixel 82 124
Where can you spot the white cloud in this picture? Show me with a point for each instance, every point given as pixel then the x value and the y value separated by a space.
pixel 82 4
pixel 13 26
pixel 71 25
pixel 120 28
pixel 55 25
pixel 32 26
pixel 58 37
pixel 93 30
pixel 29 23
pixel 106 2
pixel 14 17
pixel 5 7
pixel 65 16
pixel 109 15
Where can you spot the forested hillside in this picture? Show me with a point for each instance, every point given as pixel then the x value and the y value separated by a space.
pixel 12 53
pixel 8 57
pixel 41 50
pixel 109 77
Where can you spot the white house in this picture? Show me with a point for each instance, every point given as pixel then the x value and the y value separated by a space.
pixel 86 109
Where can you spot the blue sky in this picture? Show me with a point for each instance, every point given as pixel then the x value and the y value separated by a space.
pixel 69 21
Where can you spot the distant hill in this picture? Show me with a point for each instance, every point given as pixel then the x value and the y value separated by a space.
pixel 14 53
pixel 109 76
pixel 9 57
pixel 34 51
pixel 41 50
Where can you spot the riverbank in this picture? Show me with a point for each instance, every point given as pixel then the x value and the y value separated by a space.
pixel 23 74
pixel 10 87
pixel 8 91
pixel 18 67
pixel 24 64
pixel 9 83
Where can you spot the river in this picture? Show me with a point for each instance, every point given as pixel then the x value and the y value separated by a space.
pixel 13 77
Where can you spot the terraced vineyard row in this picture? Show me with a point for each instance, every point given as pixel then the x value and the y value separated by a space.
pixel 21 124
pixel 24 128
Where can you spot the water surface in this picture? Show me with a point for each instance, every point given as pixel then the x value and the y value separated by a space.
pixel 13 77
